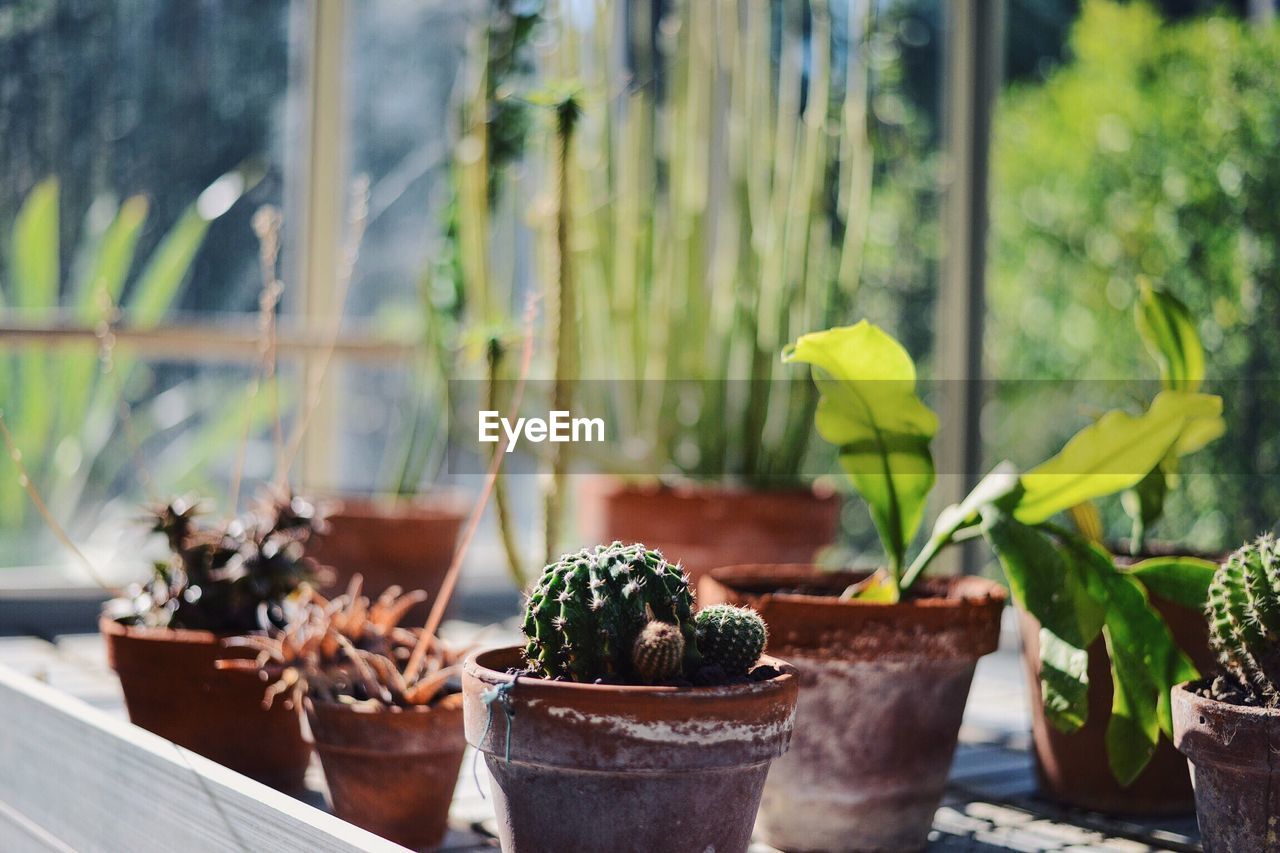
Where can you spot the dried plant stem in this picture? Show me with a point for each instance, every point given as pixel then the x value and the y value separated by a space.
pixel 266 225
pixel 436 616
pixel 24 480
pixel 358 219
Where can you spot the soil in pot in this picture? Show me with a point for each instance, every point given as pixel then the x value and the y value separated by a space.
pixel 407 543
pixel 173 688
pixel 707 525
pixel 624 768
pixel 1072 769
pixel 1231 750
pixel 392 772
pixel 882 694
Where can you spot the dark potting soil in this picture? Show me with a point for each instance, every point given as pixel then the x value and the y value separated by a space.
pixel 706 676
pixel 1223 689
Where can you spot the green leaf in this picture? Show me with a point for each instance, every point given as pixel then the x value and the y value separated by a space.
pixel 1182 580
pixel 1112 454
pixel 870 411
pixel 1051 588
pixel 1146 663
pixel 1168 330
pixel 1064 682
pixel 1132 731
pixel 34 264
pixel 167 268
pixel 113 259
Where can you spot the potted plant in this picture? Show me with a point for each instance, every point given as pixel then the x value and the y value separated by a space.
pixel 164 639
pixel 1071 766
pixel 740 250
pixel 387 724
pixel 1228 726
pixel 894 634
pixel 623 705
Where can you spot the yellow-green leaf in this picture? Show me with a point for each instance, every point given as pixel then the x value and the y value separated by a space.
pixel 1112 454
pixel 870 411
pixel 1168 330
pixel 34 262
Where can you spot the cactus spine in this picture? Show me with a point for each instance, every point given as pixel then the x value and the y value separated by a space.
pixel 1244 622
pixel 732 637
pixel 658 653
pixel 582 620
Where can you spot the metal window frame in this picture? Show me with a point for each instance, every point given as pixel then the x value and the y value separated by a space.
pixel 974 49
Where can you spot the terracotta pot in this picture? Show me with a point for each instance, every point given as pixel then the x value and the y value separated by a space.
pixel 1231 750
pixel 704 526
pixel 409 543
pixel 171 687
pixel 1072 769
pixel 392 772
pixel 882 693
pixel 620 768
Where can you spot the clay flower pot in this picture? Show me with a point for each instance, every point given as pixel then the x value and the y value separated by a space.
pixel 1072 769
pixel 172 687
pixel 882 693
pixel 622 768
pixel 391 772
pixel 1231 750
pixel 711 525
pixel 407 543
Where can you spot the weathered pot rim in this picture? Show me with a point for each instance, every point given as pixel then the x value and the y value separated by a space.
pixel 442 505
pixel 486 671
pixel 446 704
pixel 960 621
pixel 624 728
pixel 189 636
pixel 1252 713
pixel 1211 732
pixel 612 485
pixel 961 592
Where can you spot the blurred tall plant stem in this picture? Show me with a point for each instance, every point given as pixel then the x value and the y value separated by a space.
pixel 723 202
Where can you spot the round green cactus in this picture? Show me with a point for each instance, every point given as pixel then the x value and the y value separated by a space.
pixel 1244 622
pixel 582 619
pixel 732 637
pixel 658 653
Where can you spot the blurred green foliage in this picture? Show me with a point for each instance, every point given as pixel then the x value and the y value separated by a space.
pixel 1153 154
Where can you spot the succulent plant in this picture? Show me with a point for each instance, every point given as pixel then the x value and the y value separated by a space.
pixel 658 653
pixel 349 650
pixel 730 637
pixel 583 618
pixel 1244 624
pixel 230 577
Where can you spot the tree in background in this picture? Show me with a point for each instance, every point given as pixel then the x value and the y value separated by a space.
pixel 1152 154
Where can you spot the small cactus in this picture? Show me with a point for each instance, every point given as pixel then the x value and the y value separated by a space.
pixel 732 637
pixel 1244 623
pixel 582 620
pixel 658 653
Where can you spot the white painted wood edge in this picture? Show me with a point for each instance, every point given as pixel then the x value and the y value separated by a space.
pixel 75 778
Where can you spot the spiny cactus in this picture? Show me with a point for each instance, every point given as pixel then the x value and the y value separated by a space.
pixel 1244 623
pixel 658 653
pixel 583 617
pixel 732 637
